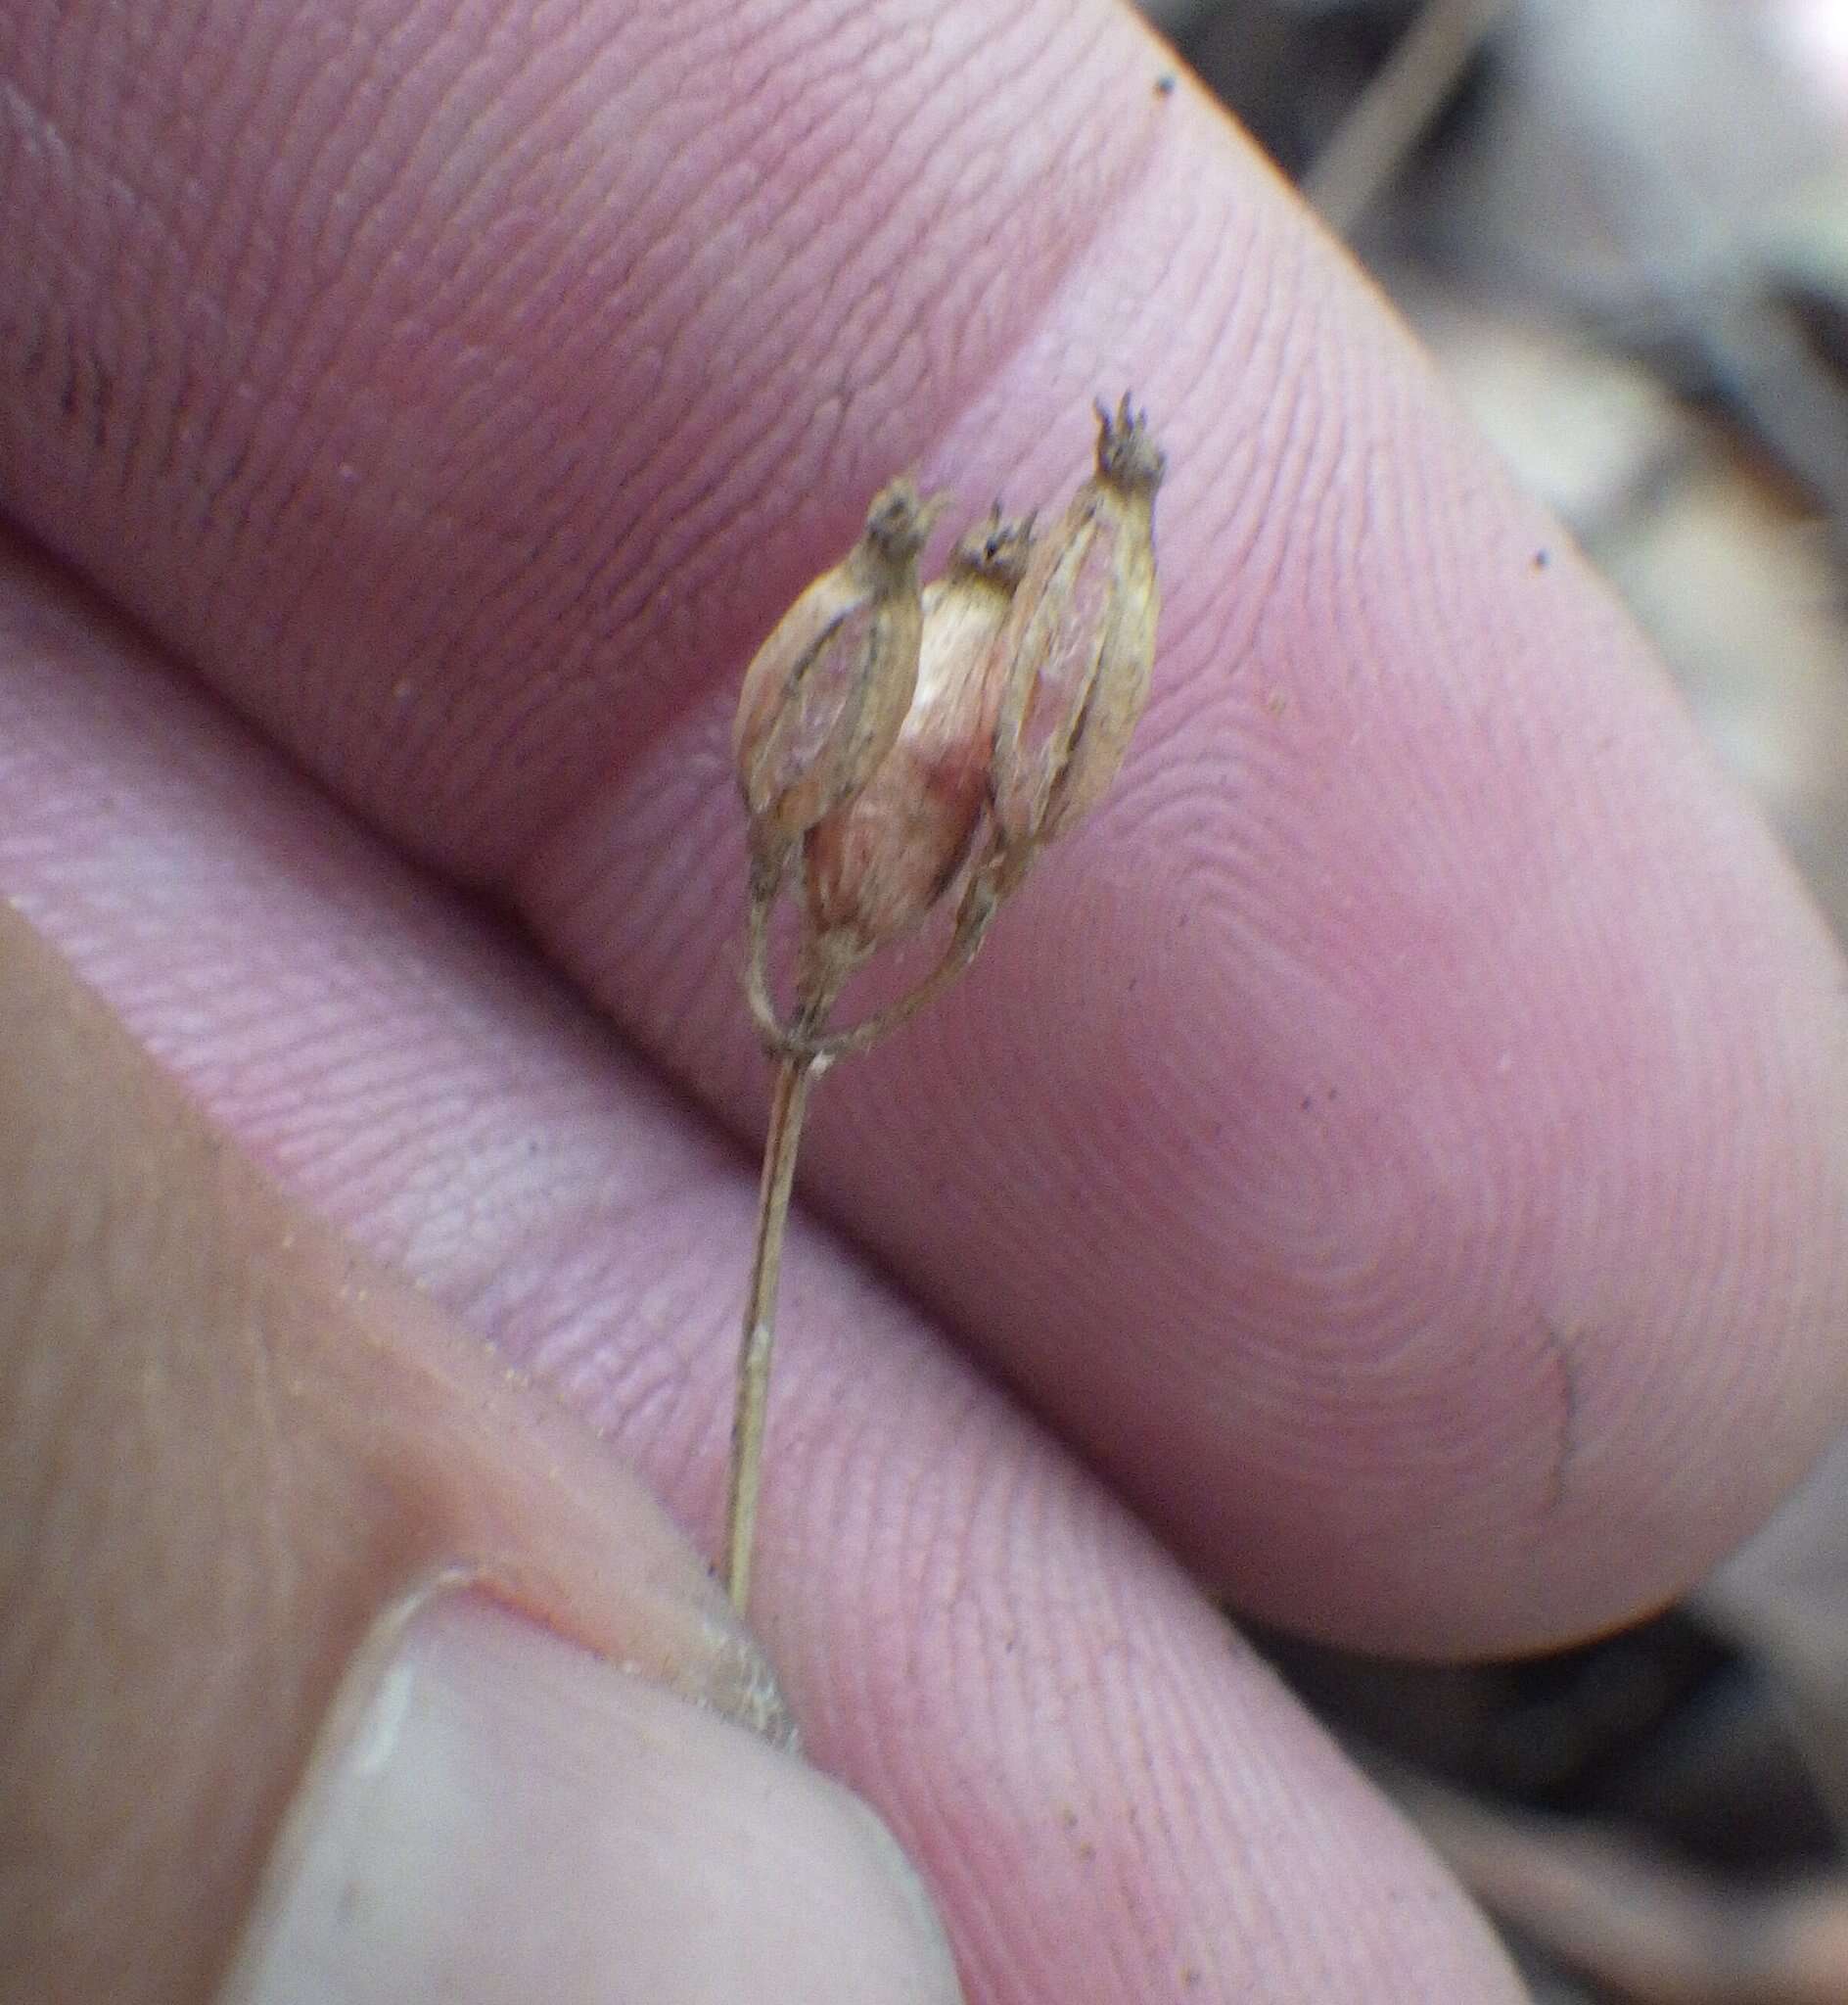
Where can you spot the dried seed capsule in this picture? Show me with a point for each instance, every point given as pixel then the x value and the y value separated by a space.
pixel 876 866
pixel 1079 642
pixel 826 693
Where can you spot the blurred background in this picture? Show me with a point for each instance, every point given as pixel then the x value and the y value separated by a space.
pixel 1622 228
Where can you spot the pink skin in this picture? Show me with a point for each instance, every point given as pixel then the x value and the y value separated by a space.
pixel 1401 1145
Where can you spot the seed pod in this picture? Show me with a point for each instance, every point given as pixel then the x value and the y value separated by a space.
pixel 826 693
pixel 1080 643
pixel 876 866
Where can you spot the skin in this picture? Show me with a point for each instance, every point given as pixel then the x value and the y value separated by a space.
pixel 276 1443
pixel 1391 1166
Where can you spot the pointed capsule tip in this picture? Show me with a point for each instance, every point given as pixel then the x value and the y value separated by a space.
pixel 997 548
pixel 1127 455
pixel 898 522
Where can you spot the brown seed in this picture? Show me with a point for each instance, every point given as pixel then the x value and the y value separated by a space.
pixel 1079 643
pixel 827 692
pixel 877 867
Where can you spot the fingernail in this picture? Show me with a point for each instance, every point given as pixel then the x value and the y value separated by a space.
pixel 498 1816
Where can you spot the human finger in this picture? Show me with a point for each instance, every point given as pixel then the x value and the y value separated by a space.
pixel 294 1572
pixel 971 1631
pixel 1419 1102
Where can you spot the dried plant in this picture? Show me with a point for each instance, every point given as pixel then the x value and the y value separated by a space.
pixel 904 751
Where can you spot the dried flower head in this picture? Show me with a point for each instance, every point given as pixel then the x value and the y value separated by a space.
pixel 877 728
pixel 876 866
pixel 827 692
pixel 1079 644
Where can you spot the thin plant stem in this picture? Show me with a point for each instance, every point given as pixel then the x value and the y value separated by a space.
pixel 796 1071
pixel 805 1038
pixel 788 1102
pixel 824 1049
